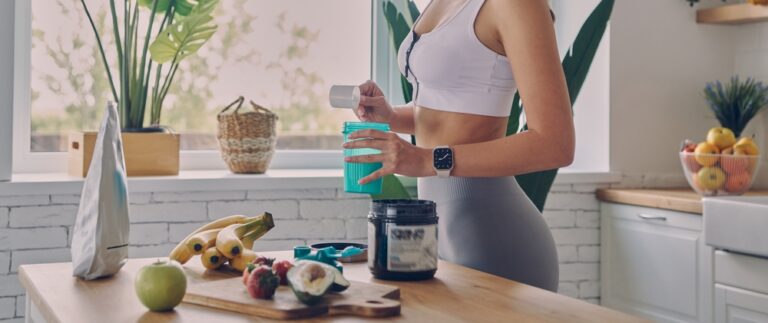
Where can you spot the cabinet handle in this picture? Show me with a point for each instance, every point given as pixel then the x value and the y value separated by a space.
pixel 652 217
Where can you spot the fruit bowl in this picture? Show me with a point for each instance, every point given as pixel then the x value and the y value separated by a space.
pixel 719 174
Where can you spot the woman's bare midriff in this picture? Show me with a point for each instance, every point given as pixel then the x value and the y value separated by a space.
pixel 438 128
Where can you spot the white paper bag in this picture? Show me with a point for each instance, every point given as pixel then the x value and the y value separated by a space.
pixel 100 236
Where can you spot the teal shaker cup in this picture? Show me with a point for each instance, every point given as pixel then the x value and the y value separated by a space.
pixel 353 172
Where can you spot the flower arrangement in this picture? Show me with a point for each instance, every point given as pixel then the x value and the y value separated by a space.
pixel 736 103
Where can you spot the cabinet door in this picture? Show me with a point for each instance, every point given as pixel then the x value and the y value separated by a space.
pixel 651 263
pixel 734 305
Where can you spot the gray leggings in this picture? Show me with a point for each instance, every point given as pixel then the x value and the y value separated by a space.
pixel 489 224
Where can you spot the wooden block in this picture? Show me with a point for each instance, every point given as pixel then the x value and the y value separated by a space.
pixel 146 154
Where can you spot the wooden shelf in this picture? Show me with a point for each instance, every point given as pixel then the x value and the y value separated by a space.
pixel 733 14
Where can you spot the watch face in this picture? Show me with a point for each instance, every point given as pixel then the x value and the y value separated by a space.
pixel 443 158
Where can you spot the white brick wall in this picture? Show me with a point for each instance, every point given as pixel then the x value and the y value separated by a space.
pixel 572 214
pixel 4 217
pixel 40 216
pixel 7 307
pixel 280 209
pixel 37 228
pixel 5 262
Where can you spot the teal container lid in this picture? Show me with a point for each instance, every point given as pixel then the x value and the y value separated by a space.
pixel 352 126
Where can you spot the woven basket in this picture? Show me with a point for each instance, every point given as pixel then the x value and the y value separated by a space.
pixel 247 139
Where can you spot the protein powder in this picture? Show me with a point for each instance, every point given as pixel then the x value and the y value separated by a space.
pixel 402 239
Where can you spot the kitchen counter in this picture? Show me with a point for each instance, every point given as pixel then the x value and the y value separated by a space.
pixel 456 294
pixel 682 199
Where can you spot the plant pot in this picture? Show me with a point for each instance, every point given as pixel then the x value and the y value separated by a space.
pixel 146 153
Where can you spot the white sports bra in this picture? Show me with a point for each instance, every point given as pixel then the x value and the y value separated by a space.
pixel 451 70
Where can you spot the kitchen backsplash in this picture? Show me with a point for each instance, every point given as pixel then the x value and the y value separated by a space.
pixel 37 228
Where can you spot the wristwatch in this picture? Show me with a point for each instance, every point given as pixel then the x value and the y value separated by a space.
pixel 442 161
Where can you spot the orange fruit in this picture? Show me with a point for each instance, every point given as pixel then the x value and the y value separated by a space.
pixel 738 183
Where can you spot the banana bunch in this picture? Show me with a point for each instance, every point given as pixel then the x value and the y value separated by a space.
pixel 228 239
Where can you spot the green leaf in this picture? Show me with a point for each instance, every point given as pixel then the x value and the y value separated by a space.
pixel 392 188
pixel 513 125
pixel 399 27
pixel 183 7
pixel 162 5
pixel 185 36
pixel 576 67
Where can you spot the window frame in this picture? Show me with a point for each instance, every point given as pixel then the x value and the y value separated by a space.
pixel 7 14
pixel 23 160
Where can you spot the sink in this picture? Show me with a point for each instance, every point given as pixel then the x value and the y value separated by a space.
pixel 738 224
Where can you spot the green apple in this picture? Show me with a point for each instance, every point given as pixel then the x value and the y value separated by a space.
pixel 161 285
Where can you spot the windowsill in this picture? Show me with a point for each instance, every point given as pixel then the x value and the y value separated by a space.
pixel 223 180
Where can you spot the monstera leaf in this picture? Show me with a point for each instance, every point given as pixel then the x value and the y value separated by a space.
pixel 182 7
pixel 399 27
pixel 576 66
pixel 185 36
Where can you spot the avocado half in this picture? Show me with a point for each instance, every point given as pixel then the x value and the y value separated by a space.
pixel 310 280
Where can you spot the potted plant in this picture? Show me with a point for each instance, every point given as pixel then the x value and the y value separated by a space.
pixel 152 38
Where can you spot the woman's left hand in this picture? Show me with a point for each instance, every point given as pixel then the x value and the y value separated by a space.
pixel 397 155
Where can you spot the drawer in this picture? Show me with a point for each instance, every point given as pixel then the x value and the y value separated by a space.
pixel 741 271
pixel 648 215
pixel 734 305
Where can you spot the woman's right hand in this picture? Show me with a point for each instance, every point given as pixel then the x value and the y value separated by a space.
pixel 373 105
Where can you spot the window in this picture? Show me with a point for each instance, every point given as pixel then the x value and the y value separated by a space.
pixel 282 54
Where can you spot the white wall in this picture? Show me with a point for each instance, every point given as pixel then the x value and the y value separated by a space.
pixel 751 60
pixel 660 62
pixel 6 88
pixel 592 108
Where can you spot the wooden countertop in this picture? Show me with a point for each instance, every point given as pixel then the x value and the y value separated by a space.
pixel 456 294
pixel 681 199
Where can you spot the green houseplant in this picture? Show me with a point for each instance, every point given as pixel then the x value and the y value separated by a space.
pixel 151 39
pixel 576 66
pixel 180 28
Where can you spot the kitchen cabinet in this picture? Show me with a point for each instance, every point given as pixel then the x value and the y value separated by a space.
pixel 735 305
pixel 654 263
pixel 741 288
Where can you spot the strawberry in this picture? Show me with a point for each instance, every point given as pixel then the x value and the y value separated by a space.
pixel 247 273
pixel 281 270
pixel 262 283
pixel 264 261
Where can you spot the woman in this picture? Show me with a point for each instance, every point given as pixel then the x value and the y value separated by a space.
pixel 465 60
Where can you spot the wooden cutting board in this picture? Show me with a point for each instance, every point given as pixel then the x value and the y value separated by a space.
pixel 361 299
